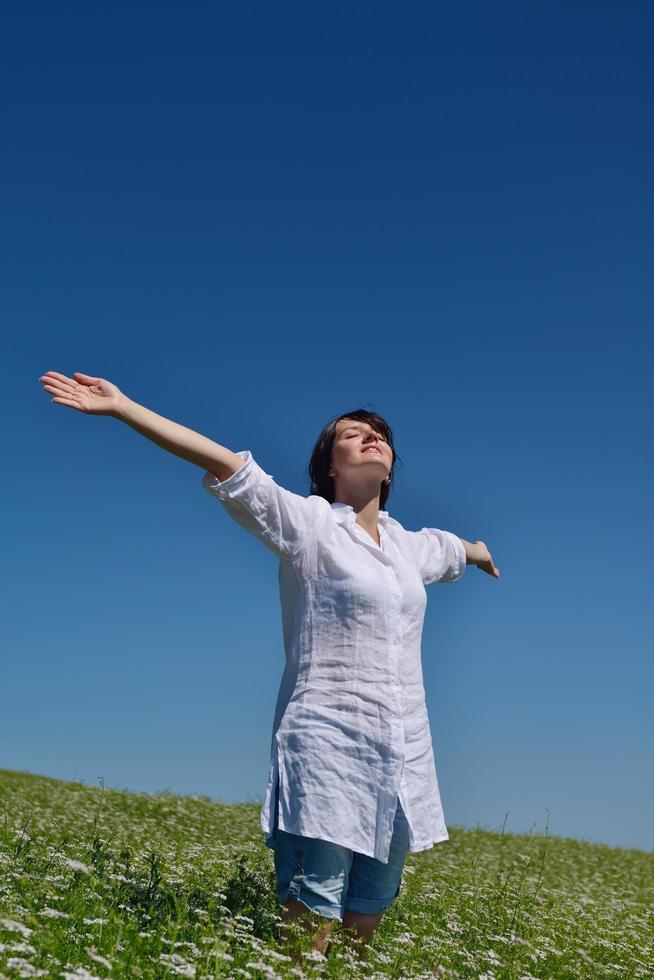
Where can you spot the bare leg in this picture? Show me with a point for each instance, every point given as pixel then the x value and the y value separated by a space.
pixel 317 925
pixel 360 927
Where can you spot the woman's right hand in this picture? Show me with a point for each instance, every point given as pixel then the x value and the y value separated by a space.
pixel 95 396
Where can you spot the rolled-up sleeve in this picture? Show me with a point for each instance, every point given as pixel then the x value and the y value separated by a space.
pixel 441 555
pixel 281 519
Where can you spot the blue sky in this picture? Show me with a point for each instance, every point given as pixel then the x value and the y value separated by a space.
pixel 253 218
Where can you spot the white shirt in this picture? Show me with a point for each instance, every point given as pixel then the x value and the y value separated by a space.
pixel 351 730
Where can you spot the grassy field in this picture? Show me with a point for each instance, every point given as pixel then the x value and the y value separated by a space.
pixel 102 883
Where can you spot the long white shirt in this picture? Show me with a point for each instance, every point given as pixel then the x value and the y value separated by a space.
pixel 351 731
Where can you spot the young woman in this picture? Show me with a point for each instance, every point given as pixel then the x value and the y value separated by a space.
pixel 352 784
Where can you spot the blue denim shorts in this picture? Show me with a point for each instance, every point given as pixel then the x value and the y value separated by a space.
pixel 329 879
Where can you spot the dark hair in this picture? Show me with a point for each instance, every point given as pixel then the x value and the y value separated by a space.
pixel 322 484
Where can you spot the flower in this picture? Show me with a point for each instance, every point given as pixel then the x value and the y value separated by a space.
pixel 76 865
pixel 16 927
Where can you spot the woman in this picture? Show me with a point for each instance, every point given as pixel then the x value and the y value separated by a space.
pixel 352 783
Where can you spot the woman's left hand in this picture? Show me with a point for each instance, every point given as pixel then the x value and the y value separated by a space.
pixel 485 561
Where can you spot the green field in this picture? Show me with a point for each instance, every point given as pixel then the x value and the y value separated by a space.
pixel 102 883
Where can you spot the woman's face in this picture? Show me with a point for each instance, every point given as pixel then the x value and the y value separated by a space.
pixel 357 446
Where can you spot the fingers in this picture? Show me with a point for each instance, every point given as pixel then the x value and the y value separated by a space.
pixel 66 401
pixel 58 382
pixel 59 387
pixel 56 376
pixel 64 389
pixel 489 568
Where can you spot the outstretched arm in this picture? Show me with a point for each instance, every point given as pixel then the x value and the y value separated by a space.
pixel 96 396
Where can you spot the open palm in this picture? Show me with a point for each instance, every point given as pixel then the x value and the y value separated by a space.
pixel 95 396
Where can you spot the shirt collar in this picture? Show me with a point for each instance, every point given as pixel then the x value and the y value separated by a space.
pixel 345 512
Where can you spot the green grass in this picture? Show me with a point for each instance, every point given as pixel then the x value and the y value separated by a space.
pixel 103 883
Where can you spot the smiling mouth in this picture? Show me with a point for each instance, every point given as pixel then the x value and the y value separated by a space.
pixel 372 449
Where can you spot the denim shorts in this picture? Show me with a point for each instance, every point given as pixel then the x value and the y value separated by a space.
pixel 329 879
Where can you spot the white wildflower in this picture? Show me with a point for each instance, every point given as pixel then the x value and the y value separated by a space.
pixel 264 967
pixel 76 865
pixel 79 973
pixel 16 927
pixel 278 956
pixel 177 964
pixel 16 948
pixel 54 913
pixel 24 967
pixel 95 922
pixel 102 960
pixel 314 954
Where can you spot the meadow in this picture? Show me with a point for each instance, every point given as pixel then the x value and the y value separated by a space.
pixel 102 883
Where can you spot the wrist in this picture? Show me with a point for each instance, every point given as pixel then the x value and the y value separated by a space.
pixel 474 551
pixel 121 411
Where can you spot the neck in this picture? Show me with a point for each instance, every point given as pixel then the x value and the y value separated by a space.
pixel 365 504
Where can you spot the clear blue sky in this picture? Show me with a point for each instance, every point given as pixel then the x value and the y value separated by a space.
pixel 253 218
